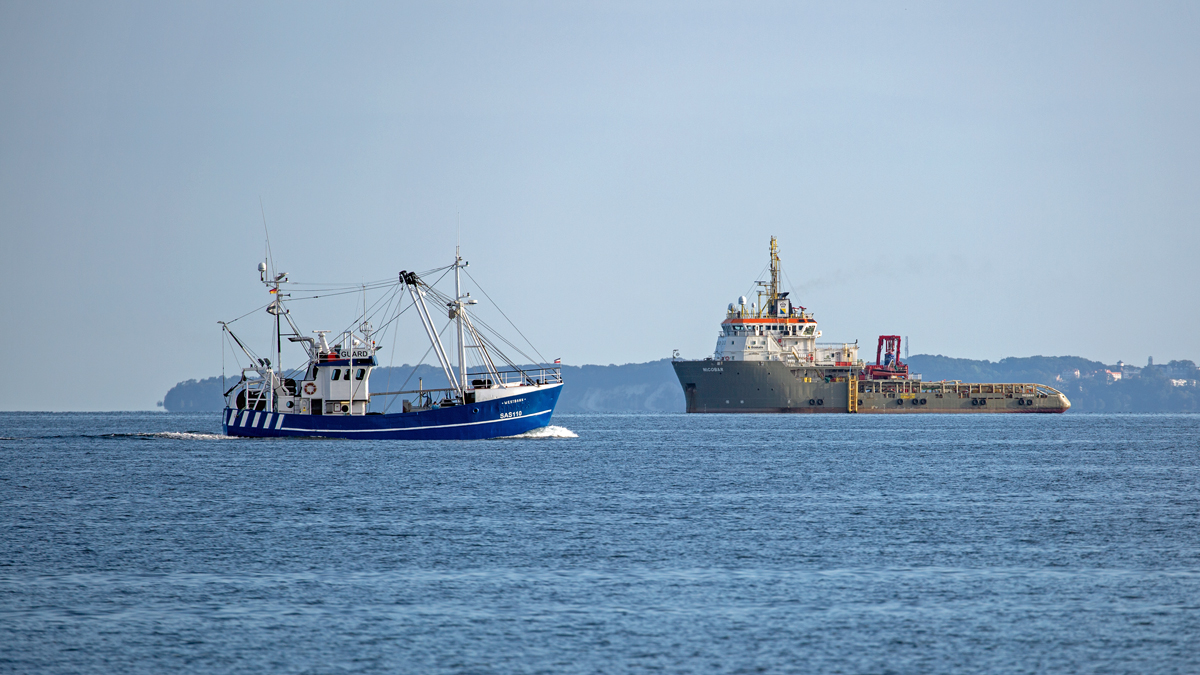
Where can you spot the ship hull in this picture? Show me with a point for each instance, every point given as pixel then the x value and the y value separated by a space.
pixel 776 387
pixel 496 418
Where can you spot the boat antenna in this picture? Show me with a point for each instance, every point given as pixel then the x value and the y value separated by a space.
pixel 273 280
pixel 267 234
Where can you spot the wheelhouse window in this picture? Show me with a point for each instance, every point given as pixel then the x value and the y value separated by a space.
pixel 337 372
pixel 362 372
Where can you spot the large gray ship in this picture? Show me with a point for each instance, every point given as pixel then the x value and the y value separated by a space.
pixel 768 360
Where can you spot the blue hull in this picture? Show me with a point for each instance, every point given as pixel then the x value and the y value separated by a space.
pixel 489 419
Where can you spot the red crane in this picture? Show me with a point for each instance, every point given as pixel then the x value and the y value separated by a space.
pixel 887 360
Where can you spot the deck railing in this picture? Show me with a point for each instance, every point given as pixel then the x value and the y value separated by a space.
pixel 956 387
pixel 512 377
pixel 258 394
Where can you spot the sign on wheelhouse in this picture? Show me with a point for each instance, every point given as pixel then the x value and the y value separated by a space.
pixel 489 395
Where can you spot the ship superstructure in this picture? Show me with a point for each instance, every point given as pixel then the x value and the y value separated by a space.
pixel 773 329
pixel 768 359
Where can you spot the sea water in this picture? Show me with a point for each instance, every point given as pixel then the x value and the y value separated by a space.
pixel 149 543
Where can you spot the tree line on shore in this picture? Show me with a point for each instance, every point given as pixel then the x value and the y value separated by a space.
pixel 652 387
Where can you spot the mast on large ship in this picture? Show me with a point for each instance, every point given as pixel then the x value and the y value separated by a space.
pixel 774 274
pixel 771 287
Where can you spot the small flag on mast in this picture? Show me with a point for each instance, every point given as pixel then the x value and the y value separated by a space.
pixel 558 360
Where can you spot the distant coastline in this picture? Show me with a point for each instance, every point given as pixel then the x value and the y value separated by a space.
pixel 652 387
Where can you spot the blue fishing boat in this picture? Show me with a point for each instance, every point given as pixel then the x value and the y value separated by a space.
pixel 329 395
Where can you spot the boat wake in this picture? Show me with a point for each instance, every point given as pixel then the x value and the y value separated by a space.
pixel 147 435
pixel 547 432
pixel 191 436
pixel 174 435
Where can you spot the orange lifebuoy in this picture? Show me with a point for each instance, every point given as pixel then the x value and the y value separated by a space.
pixel 310 388
pixel 810 357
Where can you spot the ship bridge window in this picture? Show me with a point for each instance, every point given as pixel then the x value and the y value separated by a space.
pixel 337 372
pixel 362 372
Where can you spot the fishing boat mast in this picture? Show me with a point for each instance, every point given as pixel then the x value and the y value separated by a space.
pixel 458 318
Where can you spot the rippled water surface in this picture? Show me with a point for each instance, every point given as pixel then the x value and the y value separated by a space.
pixel 148 543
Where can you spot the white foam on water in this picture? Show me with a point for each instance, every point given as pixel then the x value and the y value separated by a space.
pixel 188 436
pixel 547 432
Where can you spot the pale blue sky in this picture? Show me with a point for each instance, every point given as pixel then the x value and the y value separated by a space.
pixel 1013 179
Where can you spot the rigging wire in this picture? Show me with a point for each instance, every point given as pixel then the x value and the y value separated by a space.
pixel 506 341
pixel 791 286
pixel 383 334
pixel 333 294
pixel 438 295
pixel 368 315
pixel 256 309
pixel 398 298
pixel 398 286
pixel 510 322
pixel 418 365
pixel 392 356
pixel 750 292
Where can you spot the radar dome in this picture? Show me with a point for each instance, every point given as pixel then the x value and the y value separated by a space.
pixel 731 306
pixel 262 267
pixel 742 300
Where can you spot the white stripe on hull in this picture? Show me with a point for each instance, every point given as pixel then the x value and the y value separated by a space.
pixel 432 426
